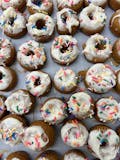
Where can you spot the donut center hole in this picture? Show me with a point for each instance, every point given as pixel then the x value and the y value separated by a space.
pixel 1 75
pixel 90 15
pixel 64 48
pixel 44 138
pixel 11 21
pixel 40 24
pixel 37 2
pixel 100 45
pixel 30 53
pixel 103 143
pixel 64 17
pixel 37 82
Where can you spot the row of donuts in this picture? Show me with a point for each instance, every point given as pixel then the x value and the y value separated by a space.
pixel 40 135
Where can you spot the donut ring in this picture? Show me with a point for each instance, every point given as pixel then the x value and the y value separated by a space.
pixel 114 4
pixel 100 3
pixel 116 51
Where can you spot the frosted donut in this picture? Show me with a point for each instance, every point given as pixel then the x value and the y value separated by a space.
pixel 92 19
pixel 31 55
pixel 81 105
pixel 13 23
pixel 67 21
pixel 12 129
pixel 100 3
pixel 38 83
pixel 103 142
pixel 108 109
pixel 74 134
pixel 114 4
pixel 75 5
pixel 7 78
pixel 35 6
pixel 17 4
pixel 41 27
pixel 53 111
pixel 64 49
pixel 65 80
pixel 2 106
pixel 100 78
pixel 19 155
pixel 97 48
pixel 7 52
pixel 19 102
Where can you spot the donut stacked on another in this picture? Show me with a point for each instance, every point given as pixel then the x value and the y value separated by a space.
pixel 19 155
pixel 2 106
pixel 100 3
pixel 114 4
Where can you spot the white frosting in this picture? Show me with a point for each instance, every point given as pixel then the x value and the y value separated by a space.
pixel 19 21
pixel 53 111
pixel 74 134
pixel 97 2
pixel 92 52
pixel 37 83
pixel 80 105
pixel 47 30
pixel 73 156
pixel 33 61
pixel 19 102
pixel 108 109
pixel 67 19
pixel 68 55
pixel 6 78
pixel 5 50
pixel 69 3
pixel 100 78
pixel 98 15
pixel 35 138
pixel 108 152
pixel 65 79
pixel 11 3
pixel 15 159
pixel 11 130
pixel 42 6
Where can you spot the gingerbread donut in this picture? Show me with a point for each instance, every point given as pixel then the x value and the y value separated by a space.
pixel 116 51
pixel 114 4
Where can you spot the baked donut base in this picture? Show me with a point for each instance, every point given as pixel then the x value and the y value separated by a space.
pixel 114 4
pixel 22 155
pixel 86 3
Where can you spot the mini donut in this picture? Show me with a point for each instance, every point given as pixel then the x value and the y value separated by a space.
pixel 41 27
pixel 106 142
pixel 17 4
pixel 114 23
pixel 48 155
pixel 35 6
pixel 8 78
pixel 38 83
pixel 114 4
pixel 2 106
pixel 81 105
pixel 64 49
pixel 100 3
pixel 67 22
pixel 107 110
pixel 19 155
pixel 19 102
pixel 116 51
pixel 7 52
pixel 97 48
pixel 100 78
pixel 118 81
pixel 92 20
pixel 53 111
pixel 38 136
pixel 65 80
pixel 74 154
pixel 74 133
pixel 31 55
pixel 75 5
pixel 12 129
pixel 13 23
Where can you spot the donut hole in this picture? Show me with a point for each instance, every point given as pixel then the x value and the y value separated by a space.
pixel 37 82
pixel 30 53
pixel 40 24
pixel 64 48
pixel 1 75
pixel 100 45
pixel 37 2
pixel 104 143
pixel 64 17
pixel 44 137
pixel 90 15
pixel 11 21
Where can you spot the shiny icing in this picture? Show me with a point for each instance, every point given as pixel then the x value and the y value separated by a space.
pixel 35 138
pixel 98 17
pixel 65 79
pixel 91 51
pixel 11 130
pixel 67 19
pixel 97 2
pixel 73 156
pixel 33 60
pixel 64 3
pixel 37 83
pixel 11 3
pixel 53 111
pixel 74 134
pixel 19 102
pixel 100 78
pixel 5 50
pixel 70 54
pixel 109 138
pixel 47 30
pixel 108 109
pixel 19 21
pixel 6 78
pixel 15 159
pixel 80 105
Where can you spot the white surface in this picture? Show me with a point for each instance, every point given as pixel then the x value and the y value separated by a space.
pixel 51 67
